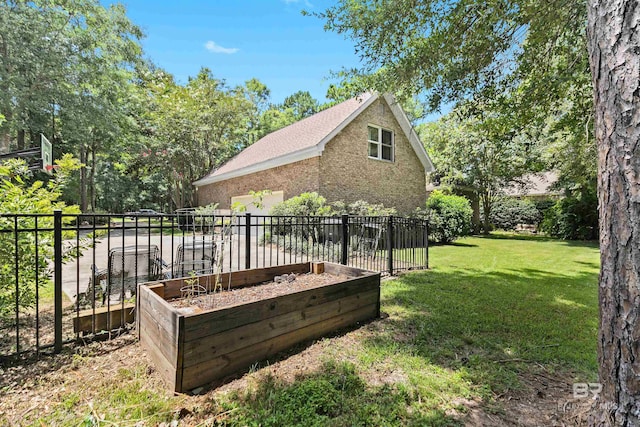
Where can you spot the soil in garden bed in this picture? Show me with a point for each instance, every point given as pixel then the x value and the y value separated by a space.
pixel 281 285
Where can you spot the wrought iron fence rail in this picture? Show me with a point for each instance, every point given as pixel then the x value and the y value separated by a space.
pixel 44 256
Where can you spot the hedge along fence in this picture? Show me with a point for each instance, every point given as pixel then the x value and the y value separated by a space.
pixel 388 244
pixel 449 216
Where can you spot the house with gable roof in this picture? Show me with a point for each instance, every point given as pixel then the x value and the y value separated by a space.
pixel 362 149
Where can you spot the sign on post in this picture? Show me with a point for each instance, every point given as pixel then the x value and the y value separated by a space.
pixel 46 151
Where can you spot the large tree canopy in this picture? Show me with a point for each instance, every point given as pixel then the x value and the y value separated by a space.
pixel 531 57
pixel 61 56
pixel 460 49
pixel 480 154
pixel 65 69
pixel 524 60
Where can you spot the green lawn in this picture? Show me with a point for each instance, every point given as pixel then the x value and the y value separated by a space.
pixel 500 298
pixel 490 310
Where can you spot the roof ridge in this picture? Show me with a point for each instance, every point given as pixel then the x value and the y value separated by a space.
pixel 301 136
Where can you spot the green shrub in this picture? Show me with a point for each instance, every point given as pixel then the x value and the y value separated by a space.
pixel 362 208
pixel 22 195
pixel 573 218
pixel 508 212
pixel 307 205
pixel 543 205
pixel 300 246
pixel 449 216
pixel 302 205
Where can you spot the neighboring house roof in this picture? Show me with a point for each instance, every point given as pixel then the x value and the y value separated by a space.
pixel 535 184
pixel 532 184
pixel 307 138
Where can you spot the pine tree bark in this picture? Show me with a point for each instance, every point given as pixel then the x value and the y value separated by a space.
pixel 614 50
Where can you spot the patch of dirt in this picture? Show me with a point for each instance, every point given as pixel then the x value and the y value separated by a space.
pixel 285 284
pixel 30 391
pixel 543 400
pixel 34 328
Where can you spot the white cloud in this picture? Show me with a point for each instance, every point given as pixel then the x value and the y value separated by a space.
pixel 211 46
pixel 307 3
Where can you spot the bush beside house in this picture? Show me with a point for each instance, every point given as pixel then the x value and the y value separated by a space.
pixel 449 216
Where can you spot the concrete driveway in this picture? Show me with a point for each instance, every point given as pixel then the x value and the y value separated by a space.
pixel 76 274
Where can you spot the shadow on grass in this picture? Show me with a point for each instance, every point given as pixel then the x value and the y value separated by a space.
pixel 594 265
pixel 455 243
pixel 490 326
pixel 333 396
pixel 537 238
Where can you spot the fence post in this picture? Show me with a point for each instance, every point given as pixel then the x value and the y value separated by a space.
pixel 390 244
pixel 57 280
pixel 345 240
pixel 426 243
pixel 247 241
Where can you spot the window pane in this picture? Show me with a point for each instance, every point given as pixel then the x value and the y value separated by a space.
pixel 373 150
pixel 373 134
pixel 387 137
pixel 386 152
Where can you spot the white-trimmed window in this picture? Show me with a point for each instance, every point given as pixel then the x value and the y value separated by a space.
pixel 380 143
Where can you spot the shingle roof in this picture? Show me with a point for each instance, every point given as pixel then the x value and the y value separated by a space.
pixel 535 184
pixel 306 133
pixel 306 139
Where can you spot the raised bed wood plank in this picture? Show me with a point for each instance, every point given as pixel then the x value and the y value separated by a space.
pixel 154 332
pixel 247 335
pixel 159 327
pixel 165 314
pixel 219 367
pixel 209 323
pixel 338 269
pixel 106 318
pixel 166 369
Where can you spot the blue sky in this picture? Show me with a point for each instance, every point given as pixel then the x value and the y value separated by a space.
pixel 241 39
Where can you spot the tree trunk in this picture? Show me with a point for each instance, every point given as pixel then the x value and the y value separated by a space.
pixel 486 210
pixel 614 50
pixel 92 178
pixel 5 135
pixel 5 128
pixel 475 205
pixel 21 144
pixel 83 179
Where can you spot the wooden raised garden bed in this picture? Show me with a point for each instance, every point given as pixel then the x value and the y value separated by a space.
pixel 192 346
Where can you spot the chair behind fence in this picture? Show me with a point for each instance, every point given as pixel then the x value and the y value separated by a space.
pixel 57 267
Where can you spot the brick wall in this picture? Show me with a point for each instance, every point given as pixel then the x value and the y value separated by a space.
pixel 343 172
pixel 348 173
pixel 293 179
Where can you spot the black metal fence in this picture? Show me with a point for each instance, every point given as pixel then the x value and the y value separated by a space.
pixel 53 268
